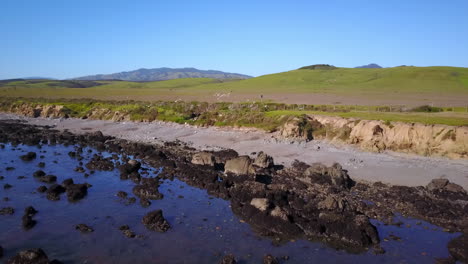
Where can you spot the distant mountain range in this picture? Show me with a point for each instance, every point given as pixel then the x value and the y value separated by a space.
pixel 370 66
pixel 161 74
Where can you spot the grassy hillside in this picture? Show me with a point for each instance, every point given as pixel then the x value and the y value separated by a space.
pixel 440 86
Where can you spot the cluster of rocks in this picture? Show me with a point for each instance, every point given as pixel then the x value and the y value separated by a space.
pixel 75 192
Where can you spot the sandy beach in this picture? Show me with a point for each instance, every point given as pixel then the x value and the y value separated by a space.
pixel 389 167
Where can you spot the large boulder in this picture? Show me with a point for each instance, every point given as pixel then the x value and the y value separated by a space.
pixel 263 160
pixel 444 185
pixel 203 158
pixel 241 166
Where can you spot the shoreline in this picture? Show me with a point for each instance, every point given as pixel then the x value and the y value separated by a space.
pixel 389 167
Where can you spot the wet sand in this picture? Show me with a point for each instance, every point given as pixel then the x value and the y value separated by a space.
pixel 389 167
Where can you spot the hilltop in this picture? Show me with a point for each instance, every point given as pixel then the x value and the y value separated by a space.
pixel 370 66
pixel 160 74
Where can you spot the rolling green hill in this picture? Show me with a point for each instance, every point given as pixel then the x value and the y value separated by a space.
pixel 440 86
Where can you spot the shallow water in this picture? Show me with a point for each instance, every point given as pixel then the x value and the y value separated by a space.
pixel 203 227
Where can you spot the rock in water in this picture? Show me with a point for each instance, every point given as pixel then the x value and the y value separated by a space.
pixel 31 256
pixel 155 221
pixel 458 248
pixel 228 259
pixel 29 156
pixel 84 228
pixel 269 259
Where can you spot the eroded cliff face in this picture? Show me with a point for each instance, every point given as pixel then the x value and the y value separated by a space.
pixel 377 136
pixel 58 111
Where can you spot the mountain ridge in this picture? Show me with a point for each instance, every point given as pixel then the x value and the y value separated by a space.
pixel 162 74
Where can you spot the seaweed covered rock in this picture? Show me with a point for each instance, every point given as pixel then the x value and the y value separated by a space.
pixel 30 256
pixel 458 248
pixel 155 221
pixel 148 189
pixel 228 259
pixel 76 192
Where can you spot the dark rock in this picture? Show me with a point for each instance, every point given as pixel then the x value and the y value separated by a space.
pixel 7 211
pixel 1 252
pixel 269 259
pixel 76 192
pixel 67 182
pixel 28 222
pixel 41 164
pixel 126 231
pixel 145 202
pixel 29 156
pixel 7 186
pixel 54 191
pixel 101 164
pixel 147 191
pixel 48 178
pixel 122 194
pixel 155 221
pixel 84 228
pixel 458 248
pixel 228 259
pixel 31 256
pixel 30 211
pixel 39 173
pixel 42 189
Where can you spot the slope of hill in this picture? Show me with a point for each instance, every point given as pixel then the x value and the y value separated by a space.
pixel 160 74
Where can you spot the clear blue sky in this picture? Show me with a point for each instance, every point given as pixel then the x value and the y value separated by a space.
pixel 64 39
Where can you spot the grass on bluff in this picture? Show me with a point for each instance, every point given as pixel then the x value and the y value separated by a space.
pixel 267 116
pixel 442 118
